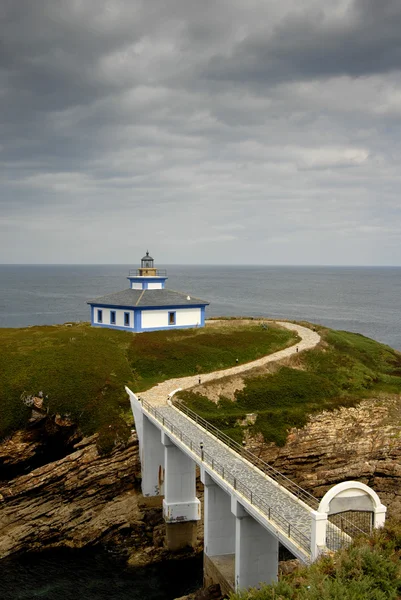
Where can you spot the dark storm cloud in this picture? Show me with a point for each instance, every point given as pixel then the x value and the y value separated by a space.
pixel 236 127
pixel 365 40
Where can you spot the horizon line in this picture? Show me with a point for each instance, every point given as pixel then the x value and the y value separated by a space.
pixel 201 265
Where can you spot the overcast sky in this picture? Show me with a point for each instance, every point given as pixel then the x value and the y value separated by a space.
pixel 224 131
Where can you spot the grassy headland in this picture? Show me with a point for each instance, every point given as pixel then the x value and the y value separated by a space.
pixel 81 370
pixel 342 370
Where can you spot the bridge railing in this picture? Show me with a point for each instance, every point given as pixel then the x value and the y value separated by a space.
pixel 263 466
pixel 272 514
pixel 341 530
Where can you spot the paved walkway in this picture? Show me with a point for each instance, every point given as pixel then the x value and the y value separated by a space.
pixel 285 508
pixel 158 394
pixel 265 492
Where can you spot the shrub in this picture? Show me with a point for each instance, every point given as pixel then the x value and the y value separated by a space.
pixel 368 570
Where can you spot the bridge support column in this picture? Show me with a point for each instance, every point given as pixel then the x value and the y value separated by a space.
pixel 152 460
pixel 256 551
pixel 151 451
pixel 219 536
pixel 181 507
pixel 219 529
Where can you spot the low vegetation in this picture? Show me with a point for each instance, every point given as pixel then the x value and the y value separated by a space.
pixel 370 569
pixel 343 369
pixel 81 371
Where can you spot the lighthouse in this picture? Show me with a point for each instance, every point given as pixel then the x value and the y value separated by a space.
pixel 147 305
pixel 147 277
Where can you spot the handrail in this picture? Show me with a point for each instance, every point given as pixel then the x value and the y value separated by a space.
pixel 273 473
pixel 355 530
pixel 286 526
pixel 137 272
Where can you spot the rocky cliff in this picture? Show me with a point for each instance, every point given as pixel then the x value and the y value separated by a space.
pixel 84 497
pixel 80 499
pixel 362 443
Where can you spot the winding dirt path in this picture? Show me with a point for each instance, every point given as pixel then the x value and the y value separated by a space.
pixel 159 393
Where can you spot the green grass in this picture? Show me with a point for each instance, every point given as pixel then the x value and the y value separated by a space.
pixel 370 569
pixel 82 370
pixel 159 355
pixel 347 368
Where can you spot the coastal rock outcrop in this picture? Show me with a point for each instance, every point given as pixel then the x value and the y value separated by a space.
pixel 80 499
pixel 85 498
pixel 362 442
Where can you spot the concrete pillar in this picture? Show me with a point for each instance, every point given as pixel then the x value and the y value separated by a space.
pixel 379 516
pixel 256 551
pixel 318 533
pixel 181 507
pixel 219 522
pixel 152 459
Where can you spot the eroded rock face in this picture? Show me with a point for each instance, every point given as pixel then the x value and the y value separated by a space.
pixel 362 443
pixel 85 498
pixel 78 500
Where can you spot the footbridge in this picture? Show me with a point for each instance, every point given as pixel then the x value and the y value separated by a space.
pixel 249 507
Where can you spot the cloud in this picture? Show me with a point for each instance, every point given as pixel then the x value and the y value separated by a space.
pixel 234 129
pixel 331 158
pixel 310 43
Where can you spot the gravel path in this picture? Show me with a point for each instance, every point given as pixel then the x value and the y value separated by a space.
pixel 277 498
pixel 248 478
pixel 158 394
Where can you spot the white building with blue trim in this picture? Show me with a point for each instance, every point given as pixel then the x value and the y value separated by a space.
pixel 147 305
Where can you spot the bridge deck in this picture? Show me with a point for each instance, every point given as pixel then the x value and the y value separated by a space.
pixel 281 507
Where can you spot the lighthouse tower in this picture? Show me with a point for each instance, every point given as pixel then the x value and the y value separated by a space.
pixel 147 277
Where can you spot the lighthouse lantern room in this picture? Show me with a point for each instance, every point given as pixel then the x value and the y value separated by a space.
pixel 147 277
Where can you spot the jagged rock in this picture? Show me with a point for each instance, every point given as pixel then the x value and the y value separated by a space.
pixel 286 567
pixel 80 499
pixel 363 443
pixel 212 592
pixel 159 534
pixel 85 498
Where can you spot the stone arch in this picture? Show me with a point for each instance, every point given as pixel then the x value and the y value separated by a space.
pixel 353 496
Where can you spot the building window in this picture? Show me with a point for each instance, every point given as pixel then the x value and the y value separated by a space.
pixel 100 316
pixel 112 317
pixel 126 319
pixel 171 318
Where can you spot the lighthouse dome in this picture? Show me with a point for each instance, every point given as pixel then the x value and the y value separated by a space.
pixel 147 257
pixel 147 261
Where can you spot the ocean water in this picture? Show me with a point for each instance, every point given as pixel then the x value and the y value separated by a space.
pixel 360 299
pixel 64 574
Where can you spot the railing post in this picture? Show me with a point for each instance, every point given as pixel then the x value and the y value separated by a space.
pixel 318 533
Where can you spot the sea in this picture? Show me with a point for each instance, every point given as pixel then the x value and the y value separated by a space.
pixel 364 300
